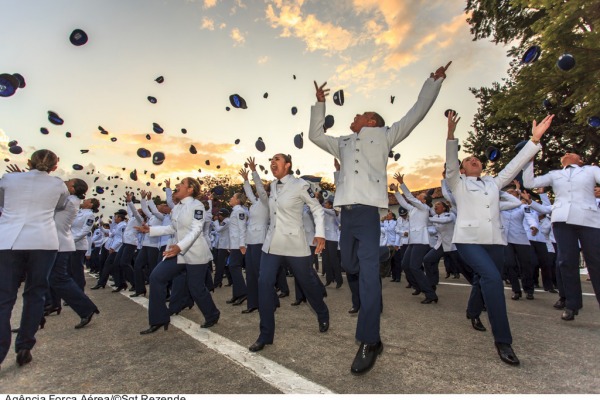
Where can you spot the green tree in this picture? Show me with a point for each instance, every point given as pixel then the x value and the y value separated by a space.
pixel 534 89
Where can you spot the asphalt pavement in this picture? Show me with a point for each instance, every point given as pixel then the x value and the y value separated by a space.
pixel 427 349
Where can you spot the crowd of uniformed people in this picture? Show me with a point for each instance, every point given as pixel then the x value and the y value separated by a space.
pixel 180 249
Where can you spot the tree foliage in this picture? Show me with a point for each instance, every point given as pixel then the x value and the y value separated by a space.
pixel 533 90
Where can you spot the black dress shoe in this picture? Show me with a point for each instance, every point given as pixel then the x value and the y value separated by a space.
pixel 416 292
pixel 477 325
pixel 366 357
pixel 24 357
pixel 553 291
pixel 229 284
pixel 507 354
pixel 86 320
pixel 408 286
pixel 429 301
pixel 353 310
pixel 339 285
pixel 298 302
pixel 256 346
pixel 447 276
pixel 323 326
pixel 118 289
pixel 154 328
pixel 529 296
pixel 569 315
pixel 283 294
pixel 249 310
pixel 97 287
pixel 328 283
pixel 516 296
pixel 560 304
pixel 51 310
pixel 240 300
pixel 138 294
pixel 231 300
pixel 208 324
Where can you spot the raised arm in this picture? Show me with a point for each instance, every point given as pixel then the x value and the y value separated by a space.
pixel 316 132
pixel 452 163
pixel 429 92
pixel 401 200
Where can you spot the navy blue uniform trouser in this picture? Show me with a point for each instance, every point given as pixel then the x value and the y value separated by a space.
pixel 301 266
pixel 147 257
pixel 281 282
pixel 413 258
pixel 165 271
pixel 76 261
pixel 359 244
pixel 123 265
pixel 397 265
pixel 331 262
pixel 544 262
pixel 517 261
pixel 63 286
pixel 236 259
pixel 300 296
pixel 36 266
pixel 567 237
pixel 486 262
pixel 221 268
pixel 107 267
pixel 253 255
pixel 431 263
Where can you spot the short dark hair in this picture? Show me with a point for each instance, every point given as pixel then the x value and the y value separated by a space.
pixel 379 121
pixel 80 188
pixel 95 204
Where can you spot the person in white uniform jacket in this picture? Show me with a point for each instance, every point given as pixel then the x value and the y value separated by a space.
pixel 126 254
pixel 401 230
pixel 361 191
pixel 331 261
pixel 193 255
pixel 115 234
pixel 237 248
pixel 62 284
pixel 517 253
pixel 575 221
pixel 81 228
pixel 478 230
pixel 221 227
pixel 418 241
pixel 258 221
pixel 286 242
pixel 28 200
pixel 443 221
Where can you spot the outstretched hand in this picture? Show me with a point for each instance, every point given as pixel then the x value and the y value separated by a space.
pixel 399 177
pixel 452 123
pixel 321 92
pixel 440 72
pixel 244 174
pixel 13 168
pixel 538 130
pixel 251 164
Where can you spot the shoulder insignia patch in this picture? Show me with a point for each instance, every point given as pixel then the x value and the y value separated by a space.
pixel 89 222
pixel 527 210
pixel 310 192
pixel 198 214
pixel 242 216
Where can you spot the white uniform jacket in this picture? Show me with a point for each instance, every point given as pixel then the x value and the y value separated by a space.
pixel 402 227
pixel 152 220
pixel 285 235
pixel 418 215
pixel 477 200
pixel 514 223
pixel 574 190
pixel 444 224
pixel 309 225
pixel 130 235
pixel 81 228
pixel 116 235
pixel 63 219
pixel 364 156
pixel 29 200
pixel 187 219
pixel 390 231
pixel 258 215
pixel 165 221
pixel 222 230
pixel 332 225
pixel 237 228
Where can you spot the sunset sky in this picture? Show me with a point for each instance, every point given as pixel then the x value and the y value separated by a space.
pixel 208 50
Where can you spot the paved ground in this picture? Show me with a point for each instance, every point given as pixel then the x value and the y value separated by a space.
pixel 428 349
